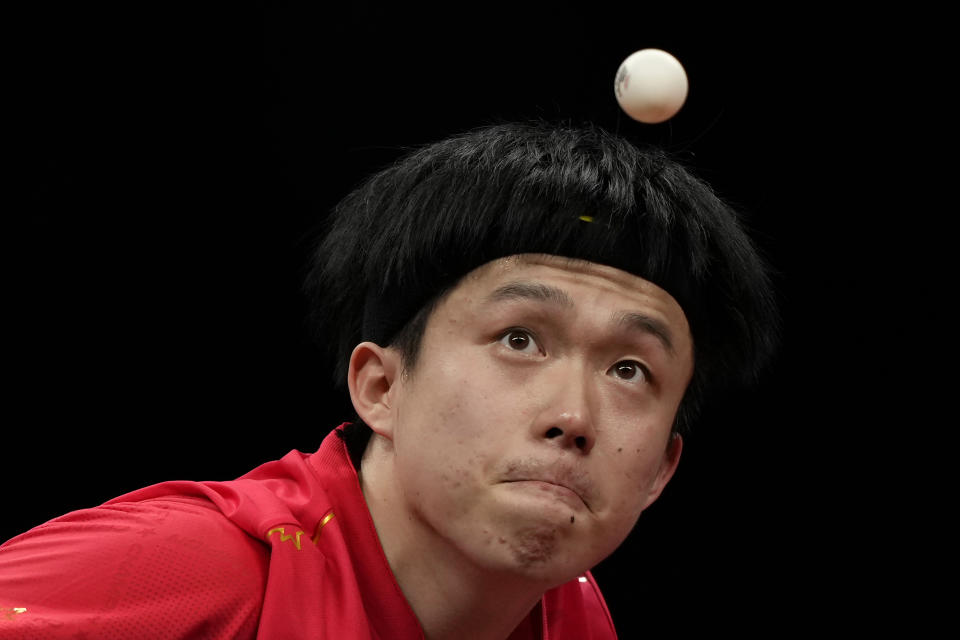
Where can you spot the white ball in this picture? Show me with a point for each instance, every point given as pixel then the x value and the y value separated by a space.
pixel 651 85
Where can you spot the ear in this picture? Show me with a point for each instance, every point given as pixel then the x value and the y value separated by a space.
pixel 671 458
pixel 372 375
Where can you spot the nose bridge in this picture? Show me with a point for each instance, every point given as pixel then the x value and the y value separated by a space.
pixel 568 417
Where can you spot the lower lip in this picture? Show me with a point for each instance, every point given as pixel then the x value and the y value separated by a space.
pixel 552 491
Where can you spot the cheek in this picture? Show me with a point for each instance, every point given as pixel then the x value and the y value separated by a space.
pixel 440 435
pixel 466 396
pixel 634 467
pixel 453 427
pixel 434 476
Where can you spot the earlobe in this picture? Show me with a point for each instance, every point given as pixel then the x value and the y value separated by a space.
pixel 371 376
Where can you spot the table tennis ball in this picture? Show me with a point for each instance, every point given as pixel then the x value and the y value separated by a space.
pixel 651 85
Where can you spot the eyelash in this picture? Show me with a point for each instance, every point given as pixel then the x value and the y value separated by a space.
pixel 638 368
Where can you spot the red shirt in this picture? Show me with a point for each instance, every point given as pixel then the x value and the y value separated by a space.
pixel 286 551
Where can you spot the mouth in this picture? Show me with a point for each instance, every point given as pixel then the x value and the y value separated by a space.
pixel 550 491
pixel 565 486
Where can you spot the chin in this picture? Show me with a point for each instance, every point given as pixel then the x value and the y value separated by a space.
pixel 545 554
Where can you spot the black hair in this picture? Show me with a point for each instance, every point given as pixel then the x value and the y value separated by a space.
pixel 410 232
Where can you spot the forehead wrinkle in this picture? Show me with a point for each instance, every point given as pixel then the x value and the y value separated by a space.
pixel 524 290
pixel 646 324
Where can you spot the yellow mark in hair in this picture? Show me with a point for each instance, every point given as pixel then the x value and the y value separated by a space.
pixel 323 521
pixel 587 218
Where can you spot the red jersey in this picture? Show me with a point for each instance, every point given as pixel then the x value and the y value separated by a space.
pixel 286 551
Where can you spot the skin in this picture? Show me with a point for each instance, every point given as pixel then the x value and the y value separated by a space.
pixel 534 430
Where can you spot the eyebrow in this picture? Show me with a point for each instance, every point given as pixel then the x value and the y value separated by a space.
pixel 646 324
pixel 531 291
pixel 520 290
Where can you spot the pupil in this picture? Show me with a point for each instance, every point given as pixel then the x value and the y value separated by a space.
pixel 626 370
pixel 518 340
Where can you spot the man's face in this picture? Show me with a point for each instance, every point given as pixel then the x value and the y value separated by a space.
pixel 536 424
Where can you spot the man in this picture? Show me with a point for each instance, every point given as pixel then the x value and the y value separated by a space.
pixel 526 318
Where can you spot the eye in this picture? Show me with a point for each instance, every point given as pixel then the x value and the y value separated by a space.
pixel 520 340
pixel 629 370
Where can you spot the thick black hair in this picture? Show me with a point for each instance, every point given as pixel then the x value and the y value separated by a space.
pixel 410 232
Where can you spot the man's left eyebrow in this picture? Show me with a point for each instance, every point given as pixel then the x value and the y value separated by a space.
pixel 646 324
pixel 522 290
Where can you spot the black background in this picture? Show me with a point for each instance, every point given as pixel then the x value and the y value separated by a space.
pixel 177 166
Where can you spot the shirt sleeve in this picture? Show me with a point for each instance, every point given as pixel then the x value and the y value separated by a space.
pixel 163 568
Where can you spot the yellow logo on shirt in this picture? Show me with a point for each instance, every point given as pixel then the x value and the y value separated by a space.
pixel 8 613
pixel 324 520
pixel 285 537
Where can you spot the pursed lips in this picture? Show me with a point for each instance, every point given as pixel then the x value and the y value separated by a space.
pixel 562 478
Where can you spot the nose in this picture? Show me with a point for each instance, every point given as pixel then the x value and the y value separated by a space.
pixel 567 417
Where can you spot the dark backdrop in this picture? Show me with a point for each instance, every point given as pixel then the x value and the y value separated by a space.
pixel 177 166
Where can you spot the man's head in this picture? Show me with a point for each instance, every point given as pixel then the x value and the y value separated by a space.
pixel 524 314
pixel 409 234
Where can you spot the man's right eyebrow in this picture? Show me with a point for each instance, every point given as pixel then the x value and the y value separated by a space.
pixel 523 290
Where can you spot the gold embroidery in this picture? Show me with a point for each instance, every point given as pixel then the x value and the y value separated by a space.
pixel 587 218
pixel 323 521
pixel 296 536
pixel 7 613
pixel 284 537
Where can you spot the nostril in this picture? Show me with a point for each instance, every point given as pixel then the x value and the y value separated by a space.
pixel 581 442
pixel 554 432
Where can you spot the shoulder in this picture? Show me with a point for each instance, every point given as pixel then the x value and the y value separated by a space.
pixel 131 569
pixel 170 529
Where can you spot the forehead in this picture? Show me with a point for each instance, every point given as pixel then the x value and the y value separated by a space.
pixel 588 274
pixel 583 285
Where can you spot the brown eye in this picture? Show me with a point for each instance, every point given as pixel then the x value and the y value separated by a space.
pixel 520 340
pixel 628 370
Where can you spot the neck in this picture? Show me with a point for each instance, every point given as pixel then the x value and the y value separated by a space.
pixel 451 595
